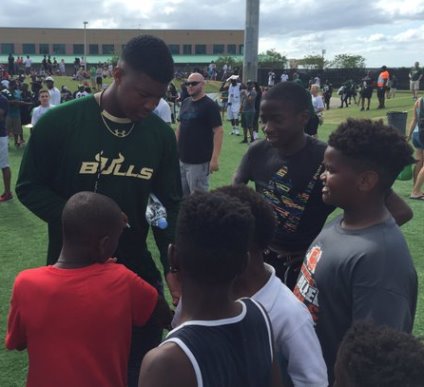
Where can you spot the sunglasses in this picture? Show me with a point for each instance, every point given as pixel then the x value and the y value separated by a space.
pixel 194 83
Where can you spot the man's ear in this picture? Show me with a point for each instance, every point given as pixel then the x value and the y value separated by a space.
pixel 368 180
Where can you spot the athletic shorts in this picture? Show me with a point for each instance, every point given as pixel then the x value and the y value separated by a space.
pixel 247 119
pixel 414 85
pixel 234 111
pixel 99 80
pixel 366 93
pixel 13 125
pixel 4 152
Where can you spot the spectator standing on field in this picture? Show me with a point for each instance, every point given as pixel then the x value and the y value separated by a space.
pixel 199 137
pixel 4 151
pixel 37 112
pixel 382 81
pixel 28 65
pixel 54 92
pixel 414 134
pixel 248 97
pixel 415 76
pixel 366 89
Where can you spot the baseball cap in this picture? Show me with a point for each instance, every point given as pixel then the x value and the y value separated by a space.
pixel 233 77
pixel 49 79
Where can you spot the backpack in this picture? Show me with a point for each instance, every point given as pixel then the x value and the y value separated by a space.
pixel 421 122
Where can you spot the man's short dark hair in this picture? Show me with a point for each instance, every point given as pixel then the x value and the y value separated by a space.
pixel 265 221
pixel 371 356
pixel 212 237
pixel 373 145
pixel 292 94
pixel 88 216
pixel 151 56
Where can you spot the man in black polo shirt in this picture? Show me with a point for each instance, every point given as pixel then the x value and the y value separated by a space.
pixel 199 137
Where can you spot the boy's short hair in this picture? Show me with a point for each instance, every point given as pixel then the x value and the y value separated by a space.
pixel 88 215
pixel 263 213
pixel 372 356
pixel 373 145
pixel 151 56
pixel 212 237
pixel 292 94
pixel 42 91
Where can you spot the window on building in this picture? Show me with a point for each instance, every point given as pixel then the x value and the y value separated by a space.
pixel 231 49
pixel 28 48
pixel 108 49
pixel 59 49
pixel 44 48
pixel 174 48
pixel 187 49
pixel 93 49
pixel 78 49
pixel 218 48
pixel 200 49
pixel 7 48
pixel 241 49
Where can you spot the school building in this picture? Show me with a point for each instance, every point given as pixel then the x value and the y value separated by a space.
pixel 186 46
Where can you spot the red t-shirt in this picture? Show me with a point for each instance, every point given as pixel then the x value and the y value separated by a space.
pixel 76 323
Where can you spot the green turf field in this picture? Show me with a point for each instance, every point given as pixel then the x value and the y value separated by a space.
pixel 23 236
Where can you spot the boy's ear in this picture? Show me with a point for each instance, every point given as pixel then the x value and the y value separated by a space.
pixel 172 258
pixel 102 249
pixel 368 180
pixel 117 73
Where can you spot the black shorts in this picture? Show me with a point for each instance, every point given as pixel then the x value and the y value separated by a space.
pixel 99 80
pixel 312 125
pixel 367 93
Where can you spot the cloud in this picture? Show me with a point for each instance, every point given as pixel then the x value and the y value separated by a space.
pixel 293 27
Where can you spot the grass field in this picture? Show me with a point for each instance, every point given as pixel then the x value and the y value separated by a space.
pixel 24 240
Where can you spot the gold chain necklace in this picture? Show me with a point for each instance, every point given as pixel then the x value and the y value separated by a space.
pixel 116 132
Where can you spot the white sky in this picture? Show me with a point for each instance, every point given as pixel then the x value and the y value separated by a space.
pixel 389 32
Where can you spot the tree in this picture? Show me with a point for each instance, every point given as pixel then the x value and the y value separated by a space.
pixel 313 62
pixel 272 59
pixel 347 61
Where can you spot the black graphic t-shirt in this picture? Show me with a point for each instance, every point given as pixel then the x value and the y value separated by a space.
pixel 292 185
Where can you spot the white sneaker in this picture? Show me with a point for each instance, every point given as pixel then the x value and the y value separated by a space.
pixel 237 132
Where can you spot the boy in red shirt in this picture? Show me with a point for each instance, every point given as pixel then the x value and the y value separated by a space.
pixel 75 317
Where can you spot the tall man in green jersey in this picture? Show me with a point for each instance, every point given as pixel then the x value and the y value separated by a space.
pixel 111 143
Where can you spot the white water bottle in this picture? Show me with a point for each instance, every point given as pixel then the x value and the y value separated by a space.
pixel 156 213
